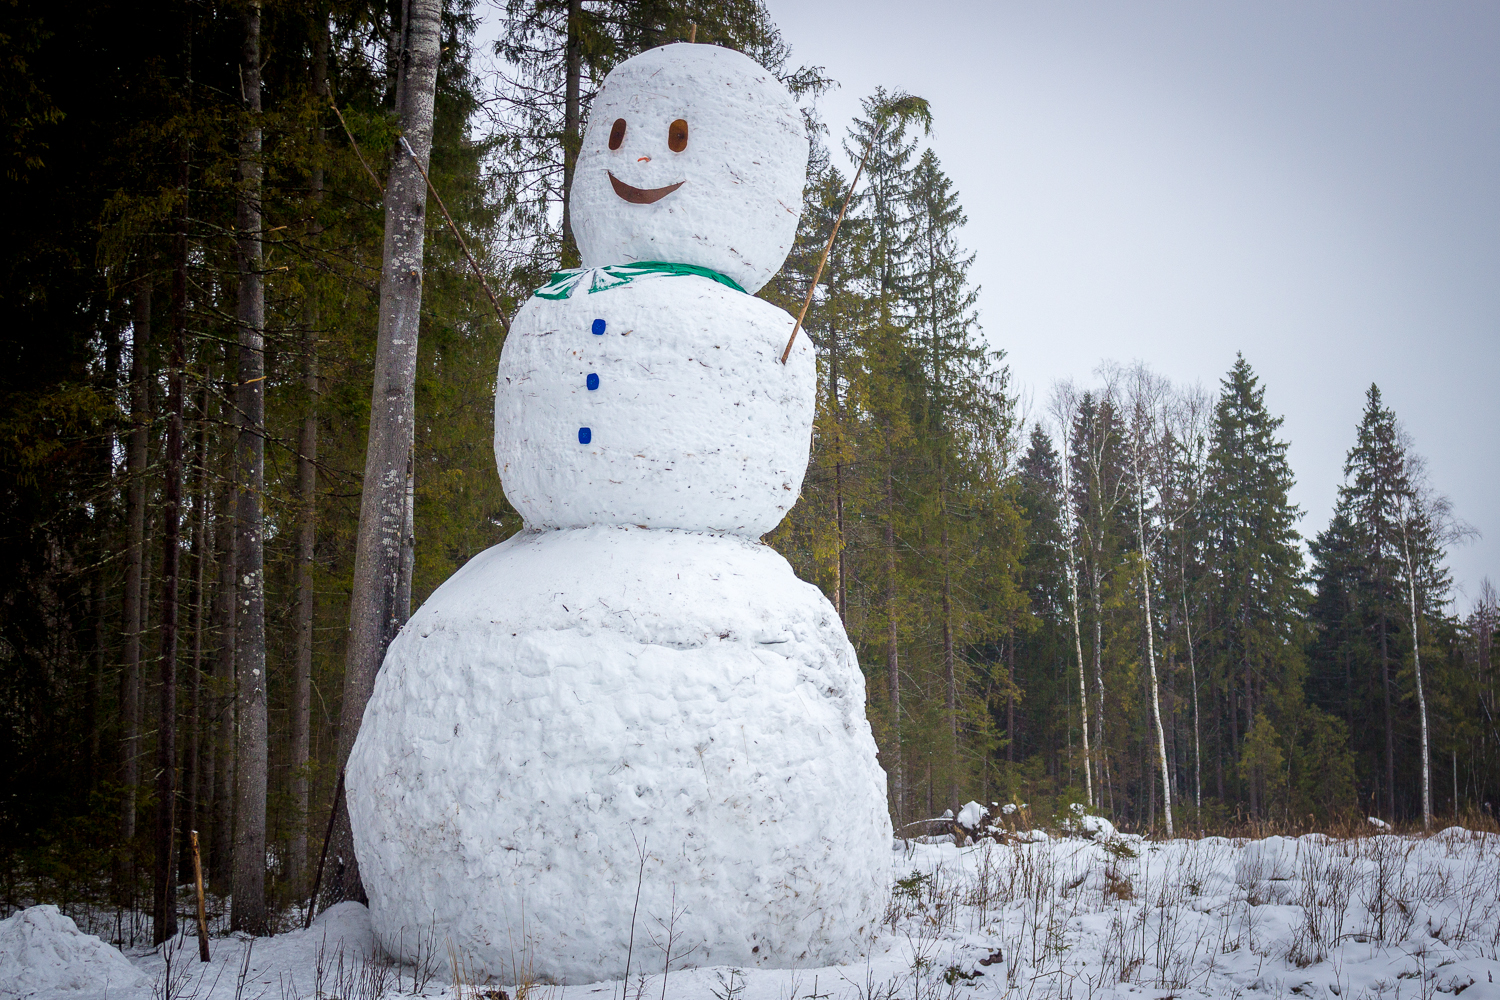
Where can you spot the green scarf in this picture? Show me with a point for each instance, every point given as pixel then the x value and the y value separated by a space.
pixel 562 283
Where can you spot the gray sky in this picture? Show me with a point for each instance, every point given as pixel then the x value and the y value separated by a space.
pixel 1314 184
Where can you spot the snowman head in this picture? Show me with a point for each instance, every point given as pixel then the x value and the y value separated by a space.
pixel 694 154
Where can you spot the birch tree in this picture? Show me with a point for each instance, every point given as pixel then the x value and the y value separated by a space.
pixel 1145 398
pixel 1063 407
pixel 378 610
pixel 1189 428
pixel 1426 524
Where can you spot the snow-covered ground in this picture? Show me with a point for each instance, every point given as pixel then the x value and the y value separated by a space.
pixel 1032 916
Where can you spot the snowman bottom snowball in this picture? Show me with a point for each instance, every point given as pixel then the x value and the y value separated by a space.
pixel 592 734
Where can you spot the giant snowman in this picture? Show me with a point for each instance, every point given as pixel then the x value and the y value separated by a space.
pixel 631 724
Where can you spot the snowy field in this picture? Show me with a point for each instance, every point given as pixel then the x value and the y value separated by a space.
pixel 1034 916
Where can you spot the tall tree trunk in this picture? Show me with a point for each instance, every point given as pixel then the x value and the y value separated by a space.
pixel 408 542
pixel 222 847
pixel 307 489
pixel 572 126
pixel 135 520
pixel 1161 737
pixel 164 910
pixel 950 666
pixel 892 654
pixel 1105 778
pixel 103 521
pixel 1010 693
pixel 376 612
pixel 1066 505
pixel 1390 737
pixel 248 912
pixel 1416 659
pixel 840 584
pixel 192 771
pixel 1251 786
pixel 1187 620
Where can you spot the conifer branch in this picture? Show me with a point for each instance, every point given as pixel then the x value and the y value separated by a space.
pixel 504 324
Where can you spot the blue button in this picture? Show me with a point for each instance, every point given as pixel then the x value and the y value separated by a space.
pixel 585 435
pixel 593 381
pixel 598 327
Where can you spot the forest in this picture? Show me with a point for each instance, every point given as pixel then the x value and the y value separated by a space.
pixel 1105 597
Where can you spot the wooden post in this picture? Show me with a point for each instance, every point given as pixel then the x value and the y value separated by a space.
pixel 312 899
pixel 202 915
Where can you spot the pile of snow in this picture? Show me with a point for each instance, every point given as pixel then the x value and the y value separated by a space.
pixel 43 951
pixel 1095 827
pixel 970 816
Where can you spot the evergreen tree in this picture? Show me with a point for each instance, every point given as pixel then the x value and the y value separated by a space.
pixel 1252 554
pixel 1374 480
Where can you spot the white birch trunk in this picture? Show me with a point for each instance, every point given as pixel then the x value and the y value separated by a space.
pixel 1187 620
pixel 378 611
pixel 1161 738
pixel 1416 657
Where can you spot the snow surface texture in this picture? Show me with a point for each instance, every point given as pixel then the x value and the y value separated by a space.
pixel 741 171
pixel 693 421
pixel 1373 918
pixel 43 952
pixel 579 716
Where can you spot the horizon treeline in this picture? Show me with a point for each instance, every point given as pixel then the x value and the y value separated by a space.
pixel 1105 603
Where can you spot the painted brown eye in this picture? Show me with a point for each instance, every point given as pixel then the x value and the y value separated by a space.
pixel 677 136
pixel 617 134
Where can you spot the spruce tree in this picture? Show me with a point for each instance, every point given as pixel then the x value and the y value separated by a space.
pixel 1374 482
pixel 1252 549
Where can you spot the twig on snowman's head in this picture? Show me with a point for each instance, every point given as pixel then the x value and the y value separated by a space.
pixel 900 108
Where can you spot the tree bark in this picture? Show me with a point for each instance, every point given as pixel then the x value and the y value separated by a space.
pixel 222 848
pixel 248 912
pixel 376 612
pixel 307 487
pixel 1193 670
pixel 164 909
pixel 572 126
pixel 103 522
pixel 1161 738
pixel 840 584
pixel 192 770
pixel 1416 659
pixel 1390 737
pixel 950 671
pixel 135 519
pixel 1105 782
pixel 892 655
pixel 1065 503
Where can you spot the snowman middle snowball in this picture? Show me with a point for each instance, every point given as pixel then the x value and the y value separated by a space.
pixel 588 734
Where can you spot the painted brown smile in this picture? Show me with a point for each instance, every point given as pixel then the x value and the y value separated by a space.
pixel 641 196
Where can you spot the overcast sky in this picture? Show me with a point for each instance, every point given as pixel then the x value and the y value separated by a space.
pixel 1314 184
